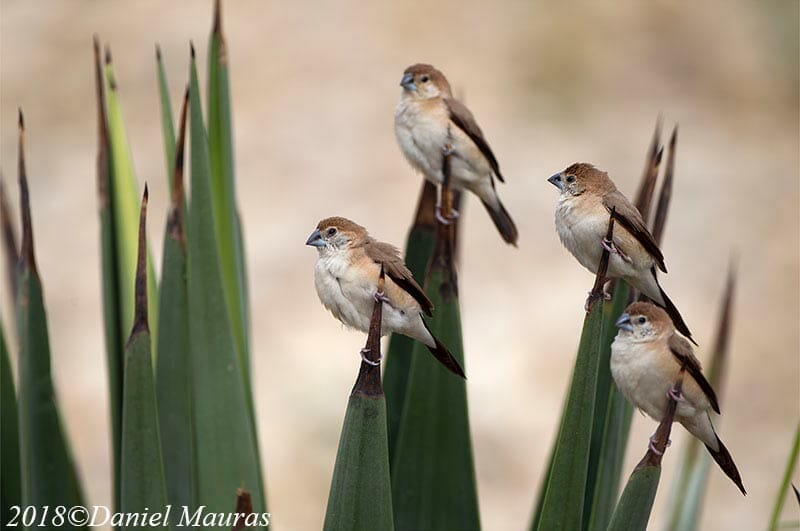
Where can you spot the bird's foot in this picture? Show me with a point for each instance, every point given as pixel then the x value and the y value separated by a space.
pixel 381 297
pixel 675 395
pixel 593 296
pixel 652 445
pixel 446 220
pixel 607 290
pixel 364 352
pixel 447 149
pixel 611 247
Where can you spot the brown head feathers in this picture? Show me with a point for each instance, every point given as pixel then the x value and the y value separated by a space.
pixel 653 313
pixel 590 177
pixel 436 77
pixel 341 224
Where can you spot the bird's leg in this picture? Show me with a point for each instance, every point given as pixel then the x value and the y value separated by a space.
pixel 364 352
pixel 609 246
pixel 445 212
pixel 675 395
pixel 380 296
pixel 652 445
pixel 594 295
pixel 607 289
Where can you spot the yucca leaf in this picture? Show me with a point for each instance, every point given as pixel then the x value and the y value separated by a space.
pixel 419 247
pixel 47 470
pixel 433 474
pixel 691 481
pixel 633 510
pixel 141 470
pixel 226 442
pixel 361 495
pixel 10 249
pixel 791 463
pixel 124 200
pixel 10 481
pixel 112 311
pixel 173 377
pixel 167 126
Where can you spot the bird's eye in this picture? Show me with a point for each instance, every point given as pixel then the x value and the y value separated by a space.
pixel 424 79
pixel 642 320
pixel 331 231
pixel 570 178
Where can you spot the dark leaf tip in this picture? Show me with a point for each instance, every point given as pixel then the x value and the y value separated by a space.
pixel 158 52
pixel 140 290
pixel 217 28
pixel 108 54
pixel 191 50
pixel 21 119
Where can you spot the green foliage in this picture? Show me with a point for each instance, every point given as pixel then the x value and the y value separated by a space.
pixel 10 481
pixel 791 463
pixel 636 502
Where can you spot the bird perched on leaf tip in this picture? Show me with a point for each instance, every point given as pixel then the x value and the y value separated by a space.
pixel 346 277
pixel 430 123
pixel 587 197
pixel 646 359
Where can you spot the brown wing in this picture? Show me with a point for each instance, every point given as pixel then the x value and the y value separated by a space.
pixel 629 217
pixel 682 350
pixel 395 268
pixel 460 115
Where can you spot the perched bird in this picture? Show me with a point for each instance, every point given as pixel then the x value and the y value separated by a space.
pixel 430 123
pixel 587 197
pixel 646 358
pixel 346 277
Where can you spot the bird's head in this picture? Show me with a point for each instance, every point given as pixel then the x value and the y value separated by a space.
pixel 643 321
pixel 422 82
pixel 336 234
pixel 579 178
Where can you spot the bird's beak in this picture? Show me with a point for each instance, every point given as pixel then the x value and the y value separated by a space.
pixel 555 180
pixel 315 240
pixel 408 82
pixel 624 322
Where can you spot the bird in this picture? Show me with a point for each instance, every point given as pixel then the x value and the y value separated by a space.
pixel 587 197
pixel 646 358
pixel 346 279
pixel 429 124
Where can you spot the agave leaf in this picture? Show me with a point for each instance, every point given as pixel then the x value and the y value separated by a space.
pixel 361 494
pixel 791 463
pixel 691 481
pixel 224 427
pixel 47 470
pixel 173 379
pixel 124 199
pixel 10 481
pixel 419 247
pixel 141 471
pixel 167 127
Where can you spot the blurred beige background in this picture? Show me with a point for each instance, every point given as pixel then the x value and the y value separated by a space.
pixel 314 88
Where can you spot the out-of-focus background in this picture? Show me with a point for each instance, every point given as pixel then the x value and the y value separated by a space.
pixel 314 88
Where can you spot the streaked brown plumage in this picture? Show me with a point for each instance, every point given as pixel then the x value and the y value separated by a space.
pixel 587 197
pixel 346 278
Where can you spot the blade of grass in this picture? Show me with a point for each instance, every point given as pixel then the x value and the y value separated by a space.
pixel 124 207
pixel 791 463
pixel 361 494
pixel 173 379
pixel 10 481
pixel 142 471
pixel 636 503
pixel 47 469
pixel 224 426
pixel 691 481
pixel 167 127
pixel 112 312
pixel 419 247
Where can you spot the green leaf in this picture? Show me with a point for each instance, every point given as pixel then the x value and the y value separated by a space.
pixel 167 127
pixel 791 463
pixel 10 481
pixel 361 493
pixel 124 199
pixel 433 474
pixel 564 495
pixel 636 502
pixel 173 377
pixel 224 427
pixel 419 247
pixel 142 471
pixel 47 469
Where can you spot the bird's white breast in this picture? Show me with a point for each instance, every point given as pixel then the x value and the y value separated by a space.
pixel 346 294
pixel 421 137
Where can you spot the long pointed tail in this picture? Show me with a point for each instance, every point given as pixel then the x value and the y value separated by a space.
pixel 725 462
pixel 673 312
pixel 502 220
pixel 443 355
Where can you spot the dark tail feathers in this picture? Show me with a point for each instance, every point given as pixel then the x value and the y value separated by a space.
pixel 725 462
pixel 673 312
pixel 502 220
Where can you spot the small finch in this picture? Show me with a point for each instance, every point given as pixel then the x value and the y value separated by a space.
pixel 346 277
pixel 587 197
pixel 646 358
pixel 429 122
